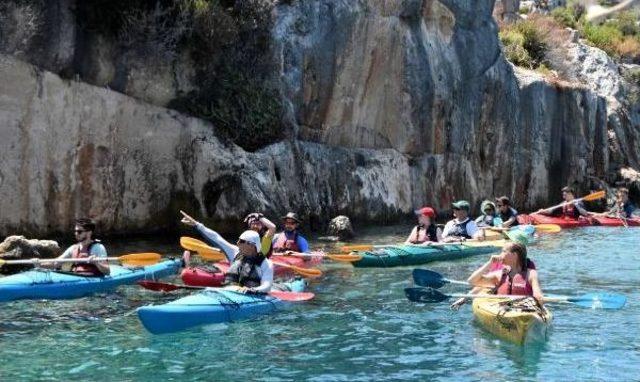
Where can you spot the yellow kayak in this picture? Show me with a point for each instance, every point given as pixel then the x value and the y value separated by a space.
pixel 519 321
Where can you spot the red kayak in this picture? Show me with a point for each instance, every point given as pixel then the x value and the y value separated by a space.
pixel 214 276
pixel 573 223
pixel 615 222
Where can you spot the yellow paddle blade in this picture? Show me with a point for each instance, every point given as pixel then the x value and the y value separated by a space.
pixel 595 196
pixel 203 249
pixel 548 228
pixel 359 247
pixel 350 258
pixel 2 262
pixel 140 259
pixel 491 234
pixel 308 272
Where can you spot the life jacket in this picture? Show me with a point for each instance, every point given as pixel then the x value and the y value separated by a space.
pixel 506 216
pixel 283 244
pixel 628 208
pixel 460 229
pixel 270 251
pixel 85 268
pixel 518 285
pixel 245 271
pixel 423 235
pixel 570 211
pixel 485 221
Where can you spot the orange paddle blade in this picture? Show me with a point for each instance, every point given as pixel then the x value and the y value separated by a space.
pixel 595 196
pixel 203 249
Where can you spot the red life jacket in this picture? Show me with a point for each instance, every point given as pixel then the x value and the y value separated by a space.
pixel 84 268
pixel 570 211
pixel 282 244
pixel 518 285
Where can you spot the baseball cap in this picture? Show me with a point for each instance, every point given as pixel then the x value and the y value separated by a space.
pixel 461 205
pixel 252 237
pixel 426 211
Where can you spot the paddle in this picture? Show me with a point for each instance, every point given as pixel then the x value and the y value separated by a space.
pixel 213 254
pixel 169 287
pixel 540 228
pixel 369 247
pixel 589 300
pixel 349 258
pixel 203 249
pixel 425 277
pixel 593 196
pixel 134 259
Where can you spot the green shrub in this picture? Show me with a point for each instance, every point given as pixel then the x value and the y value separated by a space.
pixel 564 16
pixel 626 23
pixel 524 44
pixel 606 37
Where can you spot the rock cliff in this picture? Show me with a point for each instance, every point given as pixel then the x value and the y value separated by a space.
pixel 387 105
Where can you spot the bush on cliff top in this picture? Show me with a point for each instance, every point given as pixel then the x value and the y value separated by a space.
pixel 619 37
pixel 525 43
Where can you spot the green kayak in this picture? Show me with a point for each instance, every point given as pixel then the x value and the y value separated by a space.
pixel 402 255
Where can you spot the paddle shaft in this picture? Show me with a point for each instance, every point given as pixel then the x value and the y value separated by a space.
pixel 48 261
pixel 549 209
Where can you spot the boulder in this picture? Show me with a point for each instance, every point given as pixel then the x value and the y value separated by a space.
pixel 18 247
pixel 340 226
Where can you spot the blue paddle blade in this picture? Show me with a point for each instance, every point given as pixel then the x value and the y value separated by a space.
pixel 599 300
pixel 424 295
pixel 427 278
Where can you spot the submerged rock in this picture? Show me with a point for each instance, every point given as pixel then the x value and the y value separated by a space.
pixel 340 226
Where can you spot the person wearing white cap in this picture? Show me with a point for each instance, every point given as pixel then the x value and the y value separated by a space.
pixel 250 269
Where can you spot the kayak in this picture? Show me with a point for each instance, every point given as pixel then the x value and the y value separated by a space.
pixel 519 321
pixel 214 276
pixel 526 229
pixel 49 284
pixel 211 306
pixel 563 222
pixel 402 255
pixel 580 222
pixel 616 222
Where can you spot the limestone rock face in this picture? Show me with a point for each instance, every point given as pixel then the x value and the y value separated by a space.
pixel 393 104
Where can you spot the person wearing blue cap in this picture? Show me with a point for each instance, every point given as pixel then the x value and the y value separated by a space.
pixel 462 227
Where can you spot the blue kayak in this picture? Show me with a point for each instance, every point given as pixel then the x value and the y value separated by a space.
pixel 48 284
pixel 210 306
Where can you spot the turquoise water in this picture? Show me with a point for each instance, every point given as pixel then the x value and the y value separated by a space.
pixel 359 328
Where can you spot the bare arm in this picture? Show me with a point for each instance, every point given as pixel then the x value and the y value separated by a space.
pixel 411 236
pixel 535 285
pixel 271 228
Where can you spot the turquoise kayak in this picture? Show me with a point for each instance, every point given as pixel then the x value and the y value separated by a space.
pixel 404 255
pixel 211 306
pixel 48 284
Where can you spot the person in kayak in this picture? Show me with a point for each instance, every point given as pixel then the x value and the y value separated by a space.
pixel 426 231
pixel 461 227
pixel 290 240
pixel 571 210
pixel 265 228
pixel 509 273
pixel 508 215
pixel 623 207
pixel 488 217
pixel 86 247
pixel 250 270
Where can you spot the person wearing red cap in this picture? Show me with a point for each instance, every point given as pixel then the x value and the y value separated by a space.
pixel 426 231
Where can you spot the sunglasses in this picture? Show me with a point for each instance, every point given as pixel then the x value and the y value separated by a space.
pixel 290 222
pixel 79 231
pixel 488 210
pixel 240 241
pixel 500 205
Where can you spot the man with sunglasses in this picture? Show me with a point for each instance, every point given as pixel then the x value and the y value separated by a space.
pixel 250 270
pixel 290 239
pixel 507 214
pixel 86 248
pixel 462 227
